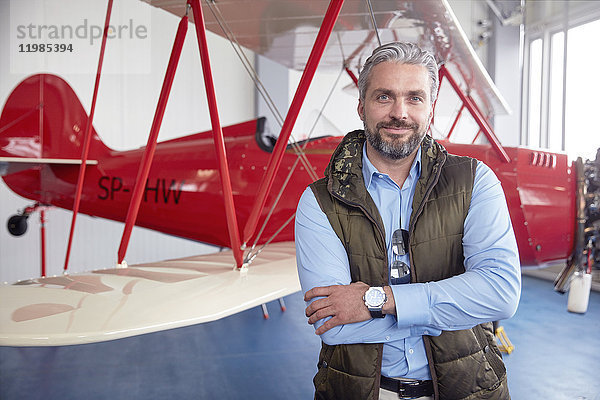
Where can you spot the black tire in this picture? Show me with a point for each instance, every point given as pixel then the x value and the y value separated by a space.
pixel 17 225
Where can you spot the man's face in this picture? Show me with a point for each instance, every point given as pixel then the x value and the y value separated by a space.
pixel 397 108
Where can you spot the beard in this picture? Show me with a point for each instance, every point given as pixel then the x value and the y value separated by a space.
pixel 395 148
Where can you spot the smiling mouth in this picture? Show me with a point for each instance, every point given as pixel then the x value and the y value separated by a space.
pixel 397 127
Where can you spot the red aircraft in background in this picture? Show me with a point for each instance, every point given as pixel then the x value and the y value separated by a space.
pixel 553 204
pixel 183 193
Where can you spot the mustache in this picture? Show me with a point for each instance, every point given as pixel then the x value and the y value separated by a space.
pixel 397 123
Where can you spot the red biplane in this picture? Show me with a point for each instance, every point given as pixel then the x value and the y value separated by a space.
pixel 191 185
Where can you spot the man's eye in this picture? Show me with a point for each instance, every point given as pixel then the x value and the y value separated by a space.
pixel 416 99
pixel 383 97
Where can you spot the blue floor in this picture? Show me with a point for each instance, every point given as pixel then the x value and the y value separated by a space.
pixel 557 353
pixel 245 357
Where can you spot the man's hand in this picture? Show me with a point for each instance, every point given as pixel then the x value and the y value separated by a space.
pixel 344 303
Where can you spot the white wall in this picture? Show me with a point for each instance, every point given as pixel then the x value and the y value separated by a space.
pixel 505 69
pixel 127 99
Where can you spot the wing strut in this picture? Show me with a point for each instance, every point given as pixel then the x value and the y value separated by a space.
pixel 234 233
pixel 275 160
pixel 146 162
pixel 476 114
pixel 88 134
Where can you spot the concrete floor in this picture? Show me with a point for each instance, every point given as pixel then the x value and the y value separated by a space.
pixel 556 356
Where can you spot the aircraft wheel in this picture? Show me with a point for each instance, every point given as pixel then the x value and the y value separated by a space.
pixel 17 225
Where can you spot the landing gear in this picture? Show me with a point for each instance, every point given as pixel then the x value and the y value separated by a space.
pixel 586 254
pixel 17 224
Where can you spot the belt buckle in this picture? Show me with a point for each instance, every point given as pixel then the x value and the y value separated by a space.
pixel 404 386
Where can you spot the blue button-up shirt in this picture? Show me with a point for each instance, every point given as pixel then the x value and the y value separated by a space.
pixel 489 290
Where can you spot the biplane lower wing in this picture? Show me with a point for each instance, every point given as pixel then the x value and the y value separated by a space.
pixel 116 303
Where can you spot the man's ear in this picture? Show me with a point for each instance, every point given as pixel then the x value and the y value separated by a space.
pixel 361 110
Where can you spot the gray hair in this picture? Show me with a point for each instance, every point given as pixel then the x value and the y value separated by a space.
pixel 403 53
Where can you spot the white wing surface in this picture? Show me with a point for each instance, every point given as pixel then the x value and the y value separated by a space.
pixel 116 303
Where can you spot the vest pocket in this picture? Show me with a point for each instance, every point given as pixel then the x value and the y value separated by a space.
pixel 485 336
pixel 348 372
pixel 467 365
pixel 338 385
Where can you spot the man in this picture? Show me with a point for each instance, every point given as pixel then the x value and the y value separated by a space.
pixel 405 252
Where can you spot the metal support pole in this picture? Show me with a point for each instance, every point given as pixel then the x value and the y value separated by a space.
pixel 477 116
pixel 43 240
pixel 146 161
pixel 275 160
pixel 232 225
pixel 462 107
pixel 352 76
pixel 87 137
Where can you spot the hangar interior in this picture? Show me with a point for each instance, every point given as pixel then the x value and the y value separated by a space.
pixel 540 54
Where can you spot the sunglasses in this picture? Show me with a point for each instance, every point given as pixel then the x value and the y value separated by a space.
pixel 400 271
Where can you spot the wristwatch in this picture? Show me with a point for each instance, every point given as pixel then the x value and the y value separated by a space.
pixel 374 299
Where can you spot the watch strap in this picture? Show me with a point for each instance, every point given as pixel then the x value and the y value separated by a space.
pixel 376 312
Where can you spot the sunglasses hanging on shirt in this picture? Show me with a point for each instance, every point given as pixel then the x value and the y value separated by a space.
pixel 400 271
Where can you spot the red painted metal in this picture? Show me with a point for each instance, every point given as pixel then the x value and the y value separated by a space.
pixel 540 198
pixel 88 134
pixel 183 195
pixel 42 209
pixel 352 75
pixel 460 110
pixel 232 225
pixel 148 155
pixel 477 115
pixel 43 241
pixel 331 16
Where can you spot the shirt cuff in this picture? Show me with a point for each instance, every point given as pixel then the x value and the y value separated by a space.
pixel 412 304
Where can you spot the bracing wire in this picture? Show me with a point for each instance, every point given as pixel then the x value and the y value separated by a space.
pixel 258 83
pixel 272 107
pixel 373 21
pixel 252 252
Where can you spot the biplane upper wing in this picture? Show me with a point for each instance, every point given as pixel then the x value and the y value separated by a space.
pixel 285 30
pixel 116 303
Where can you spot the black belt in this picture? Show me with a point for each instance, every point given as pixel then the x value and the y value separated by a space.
pixel 407 388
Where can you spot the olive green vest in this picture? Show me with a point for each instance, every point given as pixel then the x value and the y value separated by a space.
pixel 464 364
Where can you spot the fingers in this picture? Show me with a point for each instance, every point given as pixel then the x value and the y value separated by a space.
pixel 343 303
pixel 320 314
pixel 319 291
pixel 316 306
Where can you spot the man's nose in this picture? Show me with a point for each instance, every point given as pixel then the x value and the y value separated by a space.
pixel 399 110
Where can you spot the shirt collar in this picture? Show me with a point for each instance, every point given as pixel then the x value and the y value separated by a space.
pixel 368 169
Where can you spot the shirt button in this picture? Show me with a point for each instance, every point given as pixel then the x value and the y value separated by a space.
pixel 381 176
pixel 425 332
pixel 410 351
pixel 387 338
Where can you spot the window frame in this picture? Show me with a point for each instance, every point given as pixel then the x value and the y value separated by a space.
pixel 545 32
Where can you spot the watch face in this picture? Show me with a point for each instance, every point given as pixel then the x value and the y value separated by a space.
pixel 374 297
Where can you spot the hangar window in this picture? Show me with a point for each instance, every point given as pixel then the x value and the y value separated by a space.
pixel 560 86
